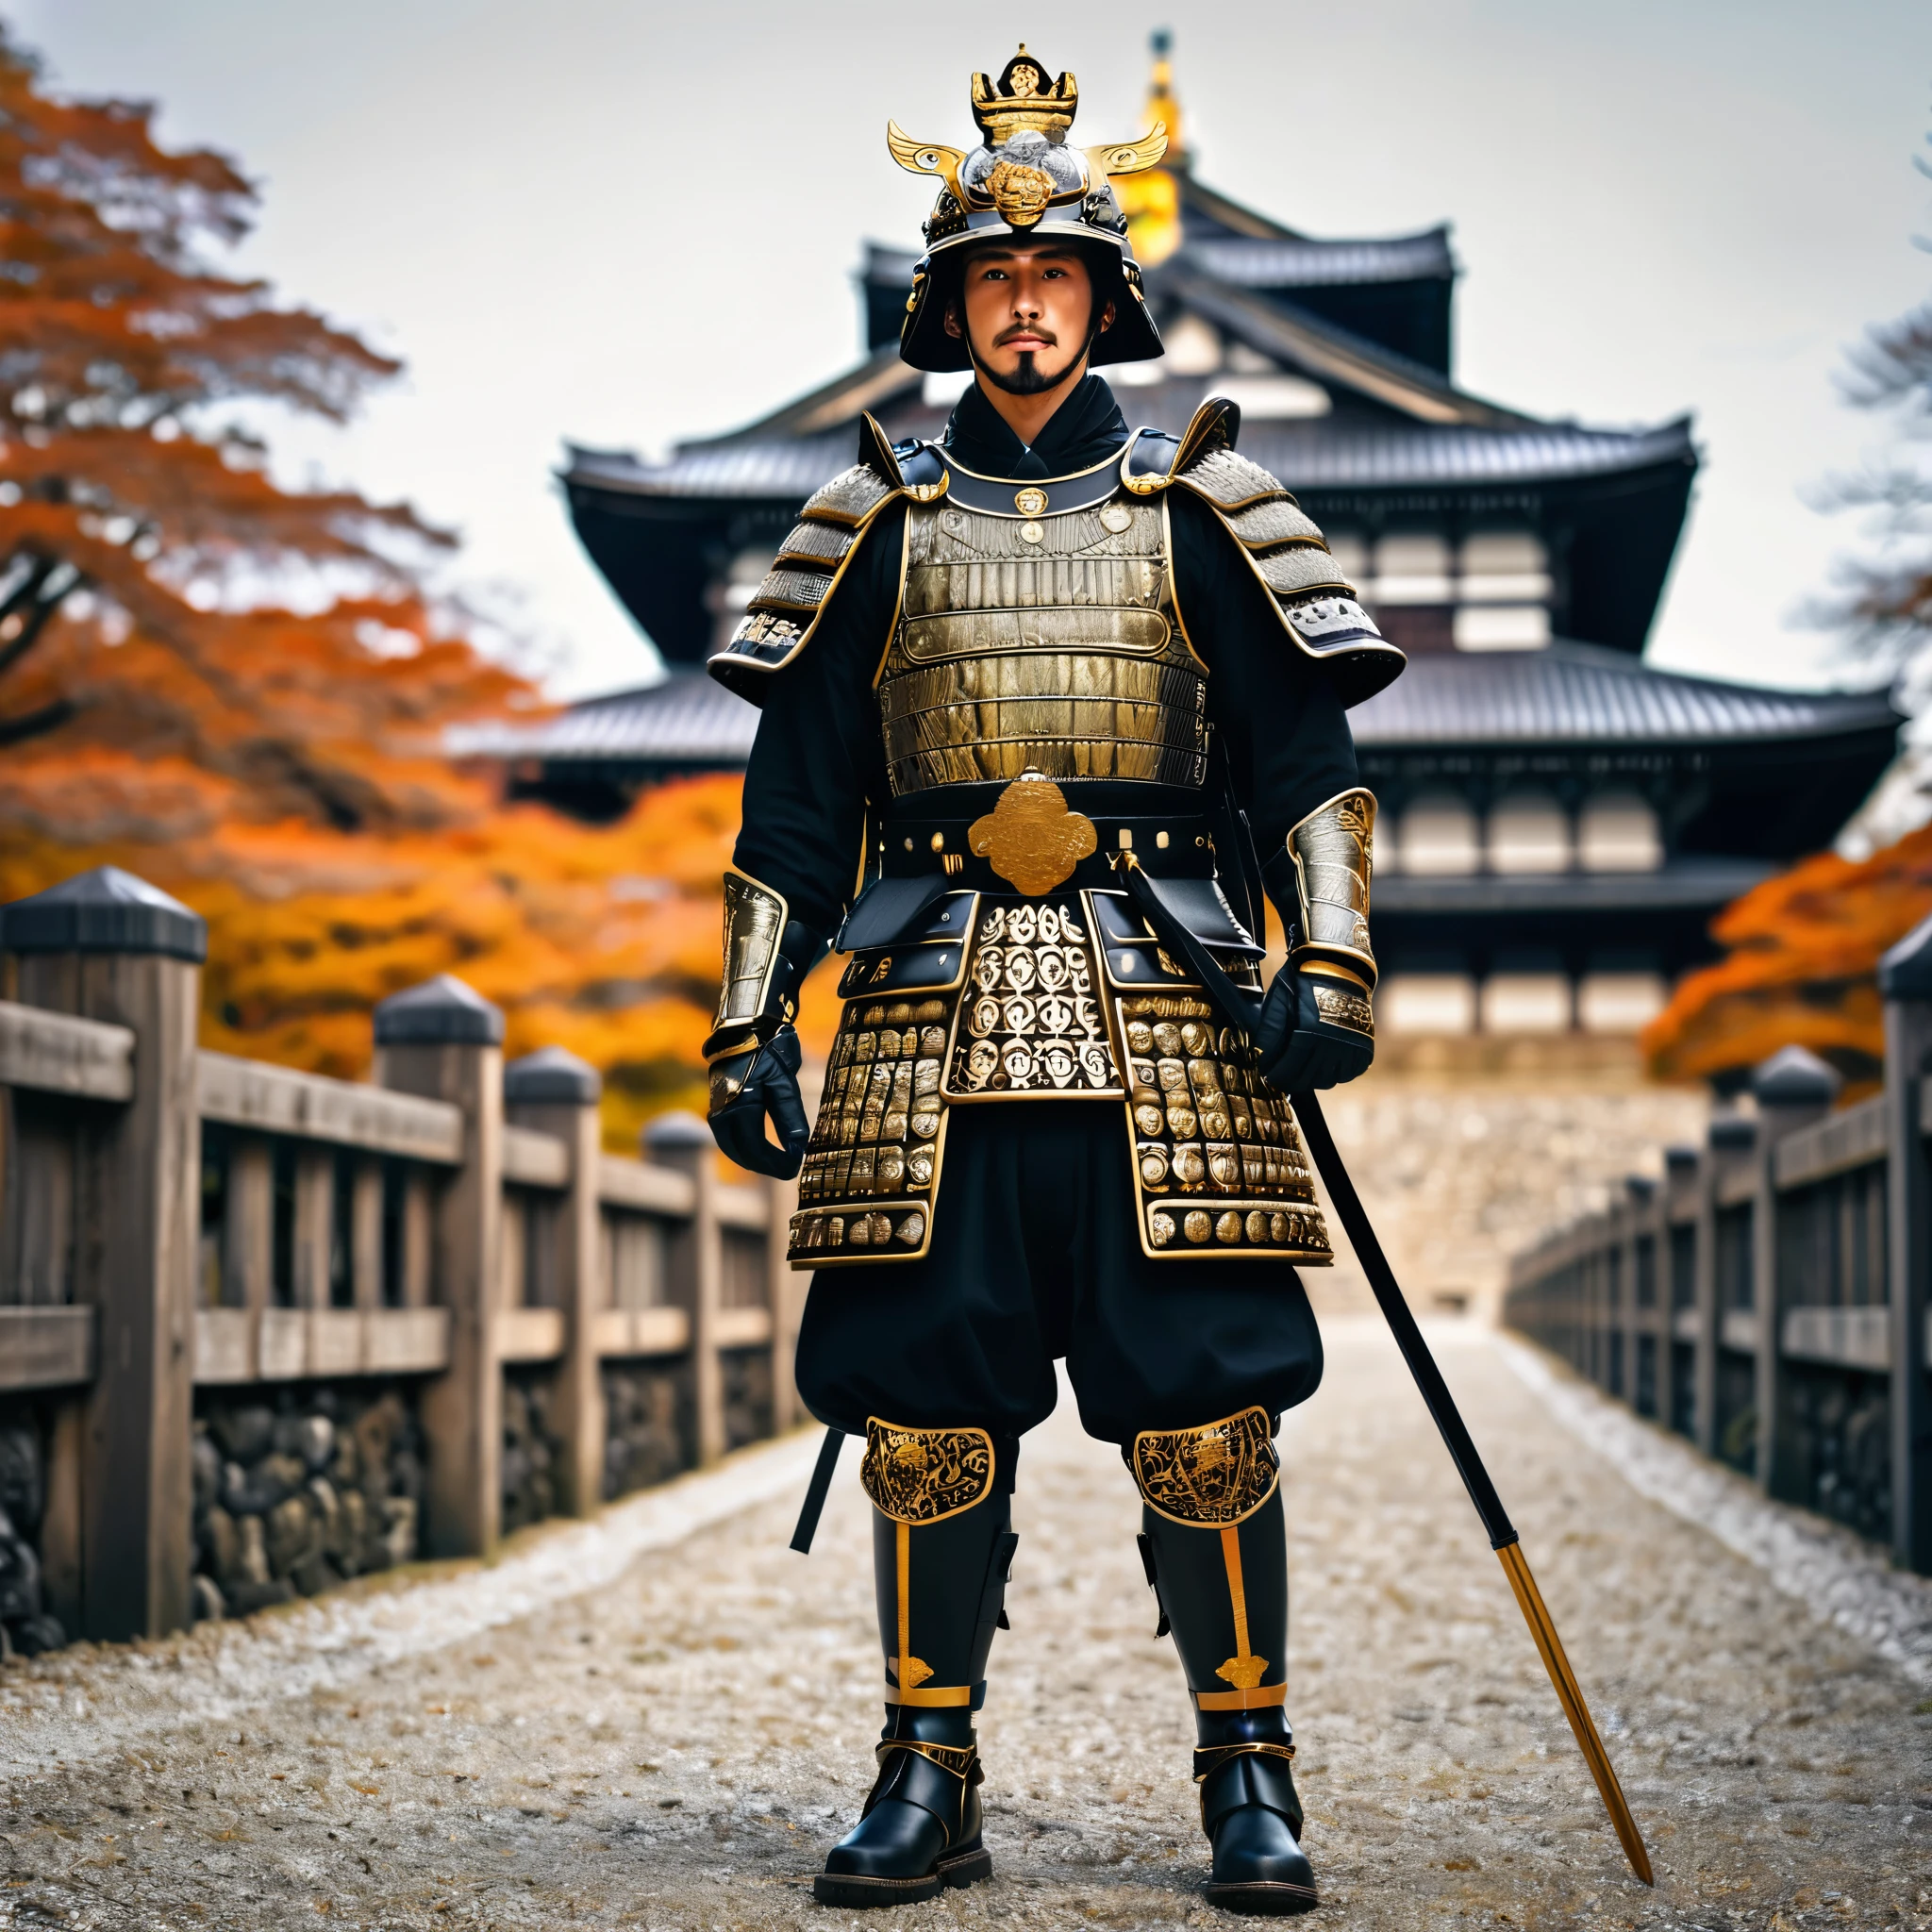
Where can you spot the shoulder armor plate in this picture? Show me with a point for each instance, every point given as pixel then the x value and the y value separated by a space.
pixel 781 617
pixel 1284 547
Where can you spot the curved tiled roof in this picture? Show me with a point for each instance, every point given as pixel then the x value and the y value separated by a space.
pixel 1306 455
pixel 1256 261
pixel 688 719
pixel 1578 694
pixel 1251 262
pixel 1567 693
pixel 1697 883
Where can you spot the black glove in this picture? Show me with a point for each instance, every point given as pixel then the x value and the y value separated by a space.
pixel 745 1087
pixel 1301 1046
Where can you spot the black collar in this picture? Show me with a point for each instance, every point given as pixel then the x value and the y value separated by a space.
pixel 1008 496
pixel 1086 430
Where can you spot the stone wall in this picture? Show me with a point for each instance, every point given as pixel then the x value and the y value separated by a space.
pixel 300 1491
pixel 649 1422
pixel 1459 1168
pixel 532 1450
pixel 747 1374
pixel 26 1628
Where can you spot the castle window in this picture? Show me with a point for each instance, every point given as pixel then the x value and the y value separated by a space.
pixel 1529 832
pixel 1412 570
pixel 1618 832
pixel 1505 567
pixel 1439 837
pixel 1426 1003
pixel 1501 627
pixel 1527 1003
pixel 1619 1002
pixel 1503 592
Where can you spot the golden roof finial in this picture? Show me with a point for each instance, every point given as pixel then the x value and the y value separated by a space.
pixel 1151 201
pixel 1162 104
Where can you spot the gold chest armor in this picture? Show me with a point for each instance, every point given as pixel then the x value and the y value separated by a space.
pixel 1048 643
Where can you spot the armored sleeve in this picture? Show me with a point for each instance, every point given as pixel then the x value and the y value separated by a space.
pixel 818 759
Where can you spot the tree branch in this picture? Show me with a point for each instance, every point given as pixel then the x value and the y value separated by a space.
pixel 37 724
pixel 29 586
pixel 13 651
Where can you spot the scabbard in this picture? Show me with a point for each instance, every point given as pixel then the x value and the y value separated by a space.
pixel 816 1491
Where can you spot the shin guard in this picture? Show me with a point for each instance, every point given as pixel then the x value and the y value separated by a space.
pixel 941 1549
pixel 1217 1554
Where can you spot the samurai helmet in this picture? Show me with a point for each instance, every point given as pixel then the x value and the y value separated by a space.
pixel 1023 182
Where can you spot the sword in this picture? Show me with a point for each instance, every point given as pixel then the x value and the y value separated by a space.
pixel 1242 1009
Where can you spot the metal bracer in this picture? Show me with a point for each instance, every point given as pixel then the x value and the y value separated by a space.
pixel 1332 853
pixel 753 1054
pixel 767 953
pixel 1318 1023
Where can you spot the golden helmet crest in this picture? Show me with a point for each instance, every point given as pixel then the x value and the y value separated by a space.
pixel 1023 179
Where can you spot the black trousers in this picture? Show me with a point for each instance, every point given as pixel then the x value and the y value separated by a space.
pixel 1035 1256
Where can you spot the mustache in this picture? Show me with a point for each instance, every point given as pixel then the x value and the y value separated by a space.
pixel 1025 328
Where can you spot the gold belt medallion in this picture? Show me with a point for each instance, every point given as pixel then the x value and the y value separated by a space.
pixel 1031 838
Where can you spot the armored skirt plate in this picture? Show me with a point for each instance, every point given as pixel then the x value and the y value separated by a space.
pixel 1000 998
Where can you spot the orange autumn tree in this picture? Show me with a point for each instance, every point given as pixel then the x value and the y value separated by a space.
pixel 239 691
pixel 1805 947
pixel 1802 971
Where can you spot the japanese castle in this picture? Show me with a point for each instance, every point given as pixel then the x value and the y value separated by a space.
pixel 1561 820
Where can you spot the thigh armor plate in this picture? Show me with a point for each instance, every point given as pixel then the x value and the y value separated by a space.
pixel 1065 996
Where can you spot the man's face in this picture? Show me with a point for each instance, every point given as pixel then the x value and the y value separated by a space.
pixel 1026 310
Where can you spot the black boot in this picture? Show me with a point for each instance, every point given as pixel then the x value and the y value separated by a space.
pixel 1251 1813
pixel 941 1553
pixel 919 1832
pixel 1216 1553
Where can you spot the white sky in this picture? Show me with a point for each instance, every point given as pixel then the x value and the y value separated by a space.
pixel 626 222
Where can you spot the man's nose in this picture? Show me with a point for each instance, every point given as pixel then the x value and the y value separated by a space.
pixel 1027 299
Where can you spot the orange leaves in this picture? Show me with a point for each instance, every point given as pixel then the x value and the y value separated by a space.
pixel 221 619
pixel 603 940
pixel 242 693
pixel 1803 969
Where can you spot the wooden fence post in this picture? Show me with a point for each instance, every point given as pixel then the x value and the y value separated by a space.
pixel 555 1093
pixel 1792 1089
pixel 1640 1221
pixel 696 1266
pixel 109 946
pixel 1676 1394
pixel 1730 1137
pixel 444 1041
pixel 1904 979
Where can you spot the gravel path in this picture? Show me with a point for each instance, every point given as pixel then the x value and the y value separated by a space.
pixel 675 1748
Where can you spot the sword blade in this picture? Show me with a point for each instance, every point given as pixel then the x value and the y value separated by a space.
pixel 1475 1478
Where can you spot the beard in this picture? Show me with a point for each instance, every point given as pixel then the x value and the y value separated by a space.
pixel 1029 379
pixel 1033 376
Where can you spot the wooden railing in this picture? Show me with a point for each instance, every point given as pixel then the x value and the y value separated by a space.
pixel 1771 1297
pixel 181 1230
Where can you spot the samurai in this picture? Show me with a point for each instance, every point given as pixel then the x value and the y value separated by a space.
pixel 1052 709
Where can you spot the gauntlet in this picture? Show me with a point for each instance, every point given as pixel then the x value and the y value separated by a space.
pixel 1318 1023
pixel 753 1053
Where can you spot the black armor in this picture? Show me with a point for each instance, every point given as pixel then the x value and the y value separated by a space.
pixel 1077 707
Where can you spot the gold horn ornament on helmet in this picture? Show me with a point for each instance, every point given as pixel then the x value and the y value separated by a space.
pixel 1023 179
pixel 1024 120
